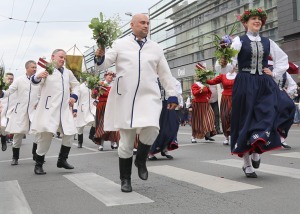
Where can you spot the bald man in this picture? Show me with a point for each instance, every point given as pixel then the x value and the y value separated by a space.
pixel 134 102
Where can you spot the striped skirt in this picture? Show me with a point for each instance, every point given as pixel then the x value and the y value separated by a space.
pixel 100 133
pixel 225 110
pixel 203 120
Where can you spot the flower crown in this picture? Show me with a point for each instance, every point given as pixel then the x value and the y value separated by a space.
pixel 254 12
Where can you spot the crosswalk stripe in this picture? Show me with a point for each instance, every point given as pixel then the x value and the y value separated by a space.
pixel 289 155
pixel 12 199
pixel 106 190
pixel 213 183
pixel 272 169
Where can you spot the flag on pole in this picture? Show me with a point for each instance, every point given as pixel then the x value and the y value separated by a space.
pixel 43 63
pixel 74 63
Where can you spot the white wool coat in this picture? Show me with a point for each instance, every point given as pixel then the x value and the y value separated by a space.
pixel 134 100
pixel 86 111
pixel 7 105
pixel 53 108
pixel 26 98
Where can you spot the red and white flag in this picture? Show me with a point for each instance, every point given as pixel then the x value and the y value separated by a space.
pixel 43 63
pixel 200 66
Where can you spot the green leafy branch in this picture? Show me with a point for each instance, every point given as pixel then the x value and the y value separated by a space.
pixel 105 32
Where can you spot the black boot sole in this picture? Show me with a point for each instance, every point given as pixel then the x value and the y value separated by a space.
pixel 40 173
pixel 14 162
pixel 61 165
pixel 126 186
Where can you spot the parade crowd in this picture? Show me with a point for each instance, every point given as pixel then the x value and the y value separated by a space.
pixel 139 108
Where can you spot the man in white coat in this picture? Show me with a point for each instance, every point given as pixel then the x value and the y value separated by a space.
pixel 84 110
pixel 134 103
pixel 7 107
pixel 22 115
pixel 54 112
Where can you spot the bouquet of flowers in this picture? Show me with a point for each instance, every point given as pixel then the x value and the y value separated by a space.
pixel 48 66
pixel 102 87
pixel 91 80
pixel 223 46
pixel 203 74
pixel 3 84
pixel 105 32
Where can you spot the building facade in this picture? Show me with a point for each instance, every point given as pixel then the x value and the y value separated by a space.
pixel 185 28
pixel 289 28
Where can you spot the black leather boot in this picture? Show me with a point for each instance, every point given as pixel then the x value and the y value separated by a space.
pixel 140 160
pixel 15 158
pixel 125 165
pixel 80 140
pixel 3 143
pixel 62 158
pixel 34 147
pixel 92 133
pixel 38 168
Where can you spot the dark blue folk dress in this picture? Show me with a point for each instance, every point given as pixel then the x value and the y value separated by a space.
pixel 258 117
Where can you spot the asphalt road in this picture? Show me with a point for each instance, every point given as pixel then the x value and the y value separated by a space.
pixel 202 178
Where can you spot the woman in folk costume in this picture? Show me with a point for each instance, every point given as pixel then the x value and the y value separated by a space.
pixel 203 118
pixel 288 88
pixel 255 96
pixel 227 81
pixel 169 125
pixel 101 135
pixel 84 111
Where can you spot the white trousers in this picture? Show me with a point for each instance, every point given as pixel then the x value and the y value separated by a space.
pixel 17 140
pixel 147 135
pixel 44 140
pixel 80 130
pixel 2 131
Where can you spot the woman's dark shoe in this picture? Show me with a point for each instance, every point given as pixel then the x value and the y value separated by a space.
pixel 285 145
pixel 166 155
pixel 249 175
pixel 152 158
pixel 255 164
pixel 209 138
pixel 219 132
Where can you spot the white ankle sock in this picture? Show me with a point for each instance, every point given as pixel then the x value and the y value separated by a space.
pixel 247 163
pixel 255 156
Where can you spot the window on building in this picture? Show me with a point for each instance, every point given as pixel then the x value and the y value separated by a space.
pixel 298 9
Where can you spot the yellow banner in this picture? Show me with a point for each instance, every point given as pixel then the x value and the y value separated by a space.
pixel 74 63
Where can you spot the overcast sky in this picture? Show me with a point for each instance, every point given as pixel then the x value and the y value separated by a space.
pixel 63 23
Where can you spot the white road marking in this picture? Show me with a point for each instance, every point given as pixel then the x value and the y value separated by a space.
pixel 213 183
pixel 106 190
pixel 12 199
pixel 266 168
pixel 55 156
pixel 289 155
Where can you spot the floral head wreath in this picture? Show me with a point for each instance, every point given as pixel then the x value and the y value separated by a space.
pixel 110 72
pixel 253 12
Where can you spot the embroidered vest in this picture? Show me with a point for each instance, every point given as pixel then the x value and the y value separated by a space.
pixel 253 56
